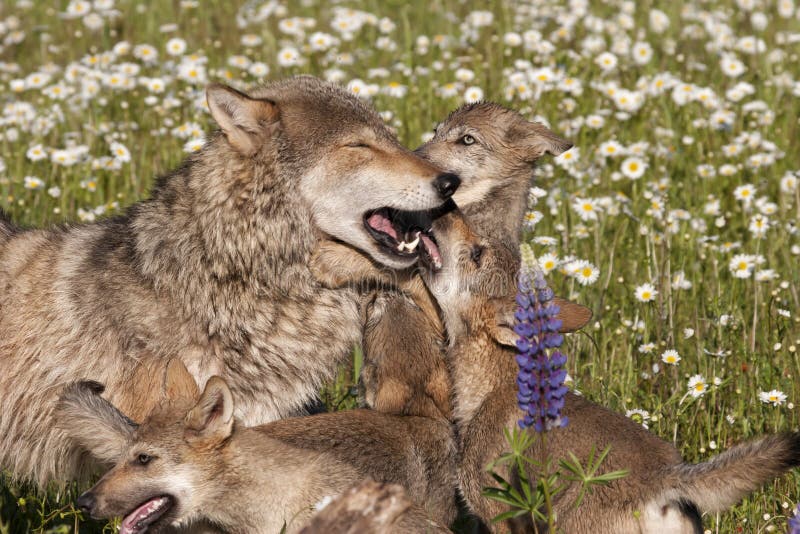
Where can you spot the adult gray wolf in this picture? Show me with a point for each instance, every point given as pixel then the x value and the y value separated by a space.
pixel 661 494
pixel 191 460
pixel 494 151
pixel 212 268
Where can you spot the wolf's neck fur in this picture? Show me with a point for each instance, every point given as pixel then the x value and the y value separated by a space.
pixel 221 225
pixel 499 215
pixel 226 245
pixel 481 369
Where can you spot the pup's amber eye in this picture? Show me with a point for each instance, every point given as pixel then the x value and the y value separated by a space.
pixel 144 459
pixel 467 140
pixel 476 254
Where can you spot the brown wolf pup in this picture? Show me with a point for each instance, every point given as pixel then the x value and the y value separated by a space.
pixel 191 460
pixel 494 151
pixel 661 493
pixel 213 268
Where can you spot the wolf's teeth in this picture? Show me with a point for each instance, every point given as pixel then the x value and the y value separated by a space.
pixel 407 247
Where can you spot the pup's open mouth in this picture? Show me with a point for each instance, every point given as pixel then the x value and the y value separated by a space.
pixel 405 234
pixel 140 519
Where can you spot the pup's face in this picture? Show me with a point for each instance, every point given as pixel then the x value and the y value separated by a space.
pixel 476 274
pixel 151 485
pixel 166 470
pixel 476 284
pixel 488 145
pixel 361 185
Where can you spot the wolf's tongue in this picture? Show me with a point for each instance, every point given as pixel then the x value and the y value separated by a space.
pixel 432 250
pixel 137 521
pixel 382 223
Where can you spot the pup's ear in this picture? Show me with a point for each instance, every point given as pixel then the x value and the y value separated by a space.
pixel 212 416
pixel 244 120
pixel 573 316
pixel 502 329
pixel 179 384
pixel 504 335
pixel 535 140
pixel 92 422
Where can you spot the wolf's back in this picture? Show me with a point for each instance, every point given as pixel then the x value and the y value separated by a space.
pixel 724 480
pixel 7 228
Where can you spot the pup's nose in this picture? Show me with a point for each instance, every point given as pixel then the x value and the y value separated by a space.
pixel 446 184
pixel 86 502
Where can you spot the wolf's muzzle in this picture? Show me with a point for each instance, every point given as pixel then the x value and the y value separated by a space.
pixel 86 503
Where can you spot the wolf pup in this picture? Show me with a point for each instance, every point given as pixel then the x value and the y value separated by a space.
pixel 213 268
pixel 661 493
pixel 192 460
pixel 493 150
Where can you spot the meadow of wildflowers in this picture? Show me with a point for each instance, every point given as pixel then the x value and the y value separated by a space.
pixel 674 217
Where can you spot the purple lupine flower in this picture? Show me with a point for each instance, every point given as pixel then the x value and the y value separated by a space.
pixel 541 369
pixel 794 522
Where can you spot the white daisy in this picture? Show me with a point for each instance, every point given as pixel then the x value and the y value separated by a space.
pixel 697 386
pixel 646 292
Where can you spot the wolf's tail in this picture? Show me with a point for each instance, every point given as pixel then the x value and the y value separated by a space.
pixel 723 481
pixel 7 228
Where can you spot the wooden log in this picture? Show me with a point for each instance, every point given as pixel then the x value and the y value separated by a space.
pixel 372 508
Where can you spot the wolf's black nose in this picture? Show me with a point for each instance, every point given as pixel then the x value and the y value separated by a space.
pixel 446 184
pixel 86 502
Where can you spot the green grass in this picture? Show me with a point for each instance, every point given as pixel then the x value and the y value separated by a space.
pixel 629 242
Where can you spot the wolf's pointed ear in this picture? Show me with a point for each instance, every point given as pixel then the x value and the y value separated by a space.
pixel 92 422
pixel 179 383
pixel 244 120
pixel 212 416
pixel 535 140
pixel 573 316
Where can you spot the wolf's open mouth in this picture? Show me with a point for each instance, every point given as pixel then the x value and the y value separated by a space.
pixel 140 519
pixel 402 232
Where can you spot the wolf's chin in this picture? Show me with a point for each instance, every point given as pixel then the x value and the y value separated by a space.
pixel 391 260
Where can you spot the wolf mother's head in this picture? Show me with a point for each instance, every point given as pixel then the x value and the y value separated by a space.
pixel 355 180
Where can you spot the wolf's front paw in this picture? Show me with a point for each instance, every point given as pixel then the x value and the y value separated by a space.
pixel 336 265
pixel 328 264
